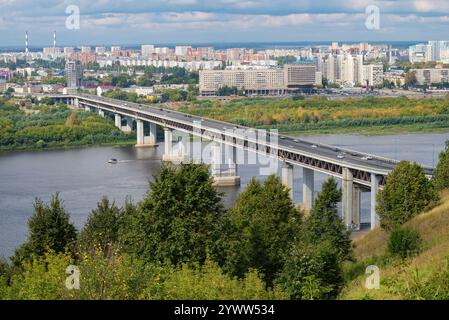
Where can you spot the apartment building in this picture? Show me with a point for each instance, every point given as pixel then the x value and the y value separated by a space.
pixel 429 76
pixel 270 81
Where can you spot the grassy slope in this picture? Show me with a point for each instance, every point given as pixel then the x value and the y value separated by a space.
pixel 399 278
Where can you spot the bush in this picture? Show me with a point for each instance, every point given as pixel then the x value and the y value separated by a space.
pixel 404 242
pixel 311 271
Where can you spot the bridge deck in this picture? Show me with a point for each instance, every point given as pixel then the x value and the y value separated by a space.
pixel 287 145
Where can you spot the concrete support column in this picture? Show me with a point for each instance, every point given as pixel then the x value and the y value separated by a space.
pixel 87 108
pixel 287 177
pixel 118 120
pixel 374 190
pixel 223 179
pixel 216 159
pixel 128 127
pixel 169 155
pixel 347 197
pixel 356 205
pixel 168 138
pixel 151 139
pixel 101 112
pixel 140 133
pixel 308 187
pixel 232 160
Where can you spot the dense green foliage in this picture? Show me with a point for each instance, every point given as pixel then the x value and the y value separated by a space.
pixel 323 224
pixel 176 221
pixel 311 271
pixel 102 226
pixel 319 114
pixel 404 242
pixel 407 193
pixel 441 173
pixel 121 277
pixel 49 229
pixel 48 126
pixel 179 243
pixel 259 229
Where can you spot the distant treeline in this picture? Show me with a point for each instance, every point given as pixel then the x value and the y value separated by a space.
pixel 290 114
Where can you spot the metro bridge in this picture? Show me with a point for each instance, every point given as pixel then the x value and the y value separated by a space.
pixel 360 172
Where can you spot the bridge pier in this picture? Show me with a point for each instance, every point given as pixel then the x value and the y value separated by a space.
pixel 118 120
pixel 169 155
pixel 347 196
pixel 375 222
pixel 287 177
pixel 224 178
pixel 101 112
pixel 145 141
pixel 356 205
pixel 308 178
pixel 128 127
pixel 87 108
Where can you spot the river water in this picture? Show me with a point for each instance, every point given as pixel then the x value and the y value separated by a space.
pixel 83 176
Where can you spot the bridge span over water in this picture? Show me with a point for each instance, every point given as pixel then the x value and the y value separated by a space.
pixel 358 171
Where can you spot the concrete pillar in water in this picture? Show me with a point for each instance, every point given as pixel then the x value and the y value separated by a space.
pixel 287 177
pixel 374 190
pixel 356 206
pixel 347 196
pixel 308 187
pixel 140 133
pixel 223 178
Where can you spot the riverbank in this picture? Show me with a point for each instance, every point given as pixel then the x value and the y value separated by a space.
pixel 47 127
pixel 368 131
pixel 117 144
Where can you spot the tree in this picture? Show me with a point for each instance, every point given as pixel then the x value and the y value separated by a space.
pixel 49 229
pixel 324 224
pixel 260 228
pixel 407 193
pixel 441 173
pixel 72 120
pixel 311 271
pixel 177 219
pixel 410 79
pixel 102 226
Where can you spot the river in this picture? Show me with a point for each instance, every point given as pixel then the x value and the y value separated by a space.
pixel 83 176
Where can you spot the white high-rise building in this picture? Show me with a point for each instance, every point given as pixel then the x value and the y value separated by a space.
pixel 420 53
pixel 68 50
pixel 373 74
pixel 100 50
pixel 147 50
pixel 182 50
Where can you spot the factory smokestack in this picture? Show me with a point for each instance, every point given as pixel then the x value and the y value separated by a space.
pixel 26 41
pixel 54 39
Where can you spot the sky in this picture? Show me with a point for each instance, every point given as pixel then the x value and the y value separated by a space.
pixel 121 22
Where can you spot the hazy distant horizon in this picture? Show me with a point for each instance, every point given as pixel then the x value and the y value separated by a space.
pixel 220 45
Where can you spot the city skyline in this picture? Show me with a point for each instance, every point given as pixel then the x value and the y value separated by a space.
pixel 195 21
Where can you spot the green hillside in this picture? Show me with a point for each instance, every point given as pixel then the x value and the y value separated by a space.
pixel 425 276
